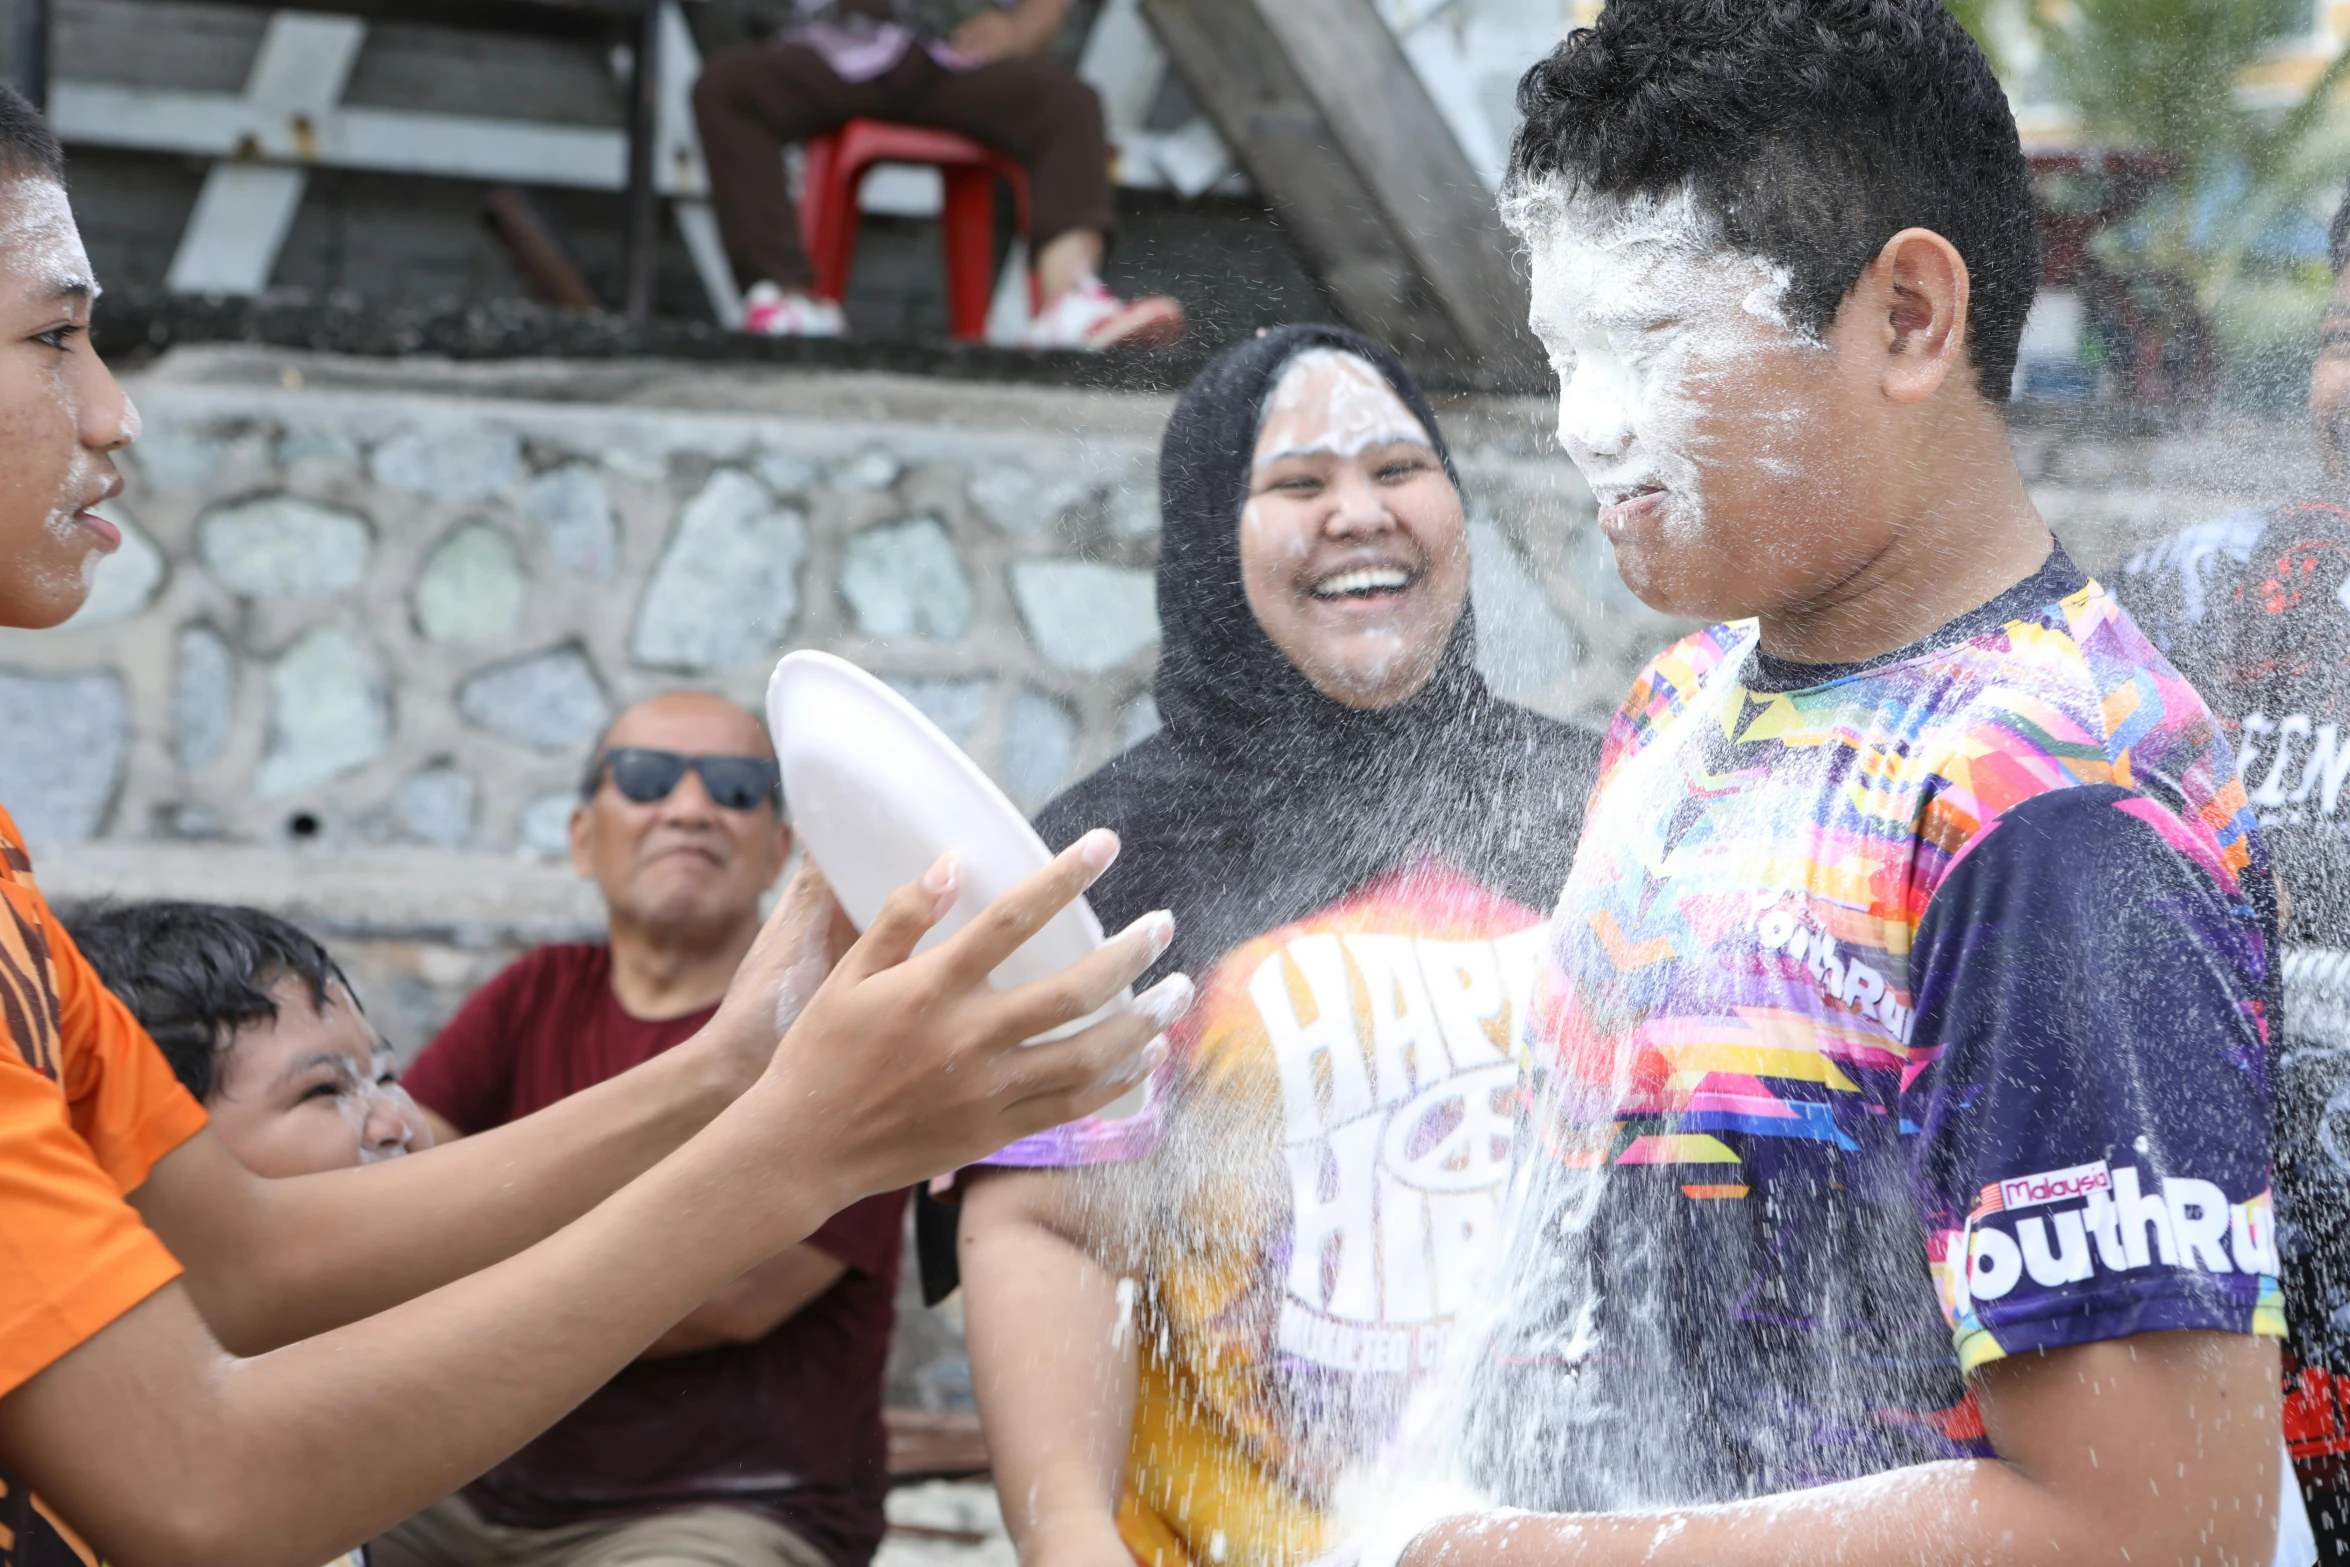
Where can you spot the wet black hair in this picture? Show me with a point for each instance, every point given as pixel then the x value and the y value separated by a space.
pixel 195 973
pixel 27 145
pixel 1810 131
pixel 2338 237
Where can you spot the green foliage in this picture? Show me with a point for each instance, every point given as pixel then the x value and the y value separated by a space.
pixel 2163 74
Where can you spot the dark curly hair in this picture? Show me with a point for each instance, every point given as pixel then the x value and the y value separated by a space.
pixel 1809 131
pixel 194 973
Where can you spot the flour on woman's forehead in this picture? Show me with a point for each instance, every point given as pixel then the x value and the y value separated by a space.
pixel 1633 260
pixel 1331 401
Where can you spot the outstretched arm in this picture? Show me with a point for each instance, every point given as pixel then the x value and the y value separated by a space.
pixel 754 1305
pixel 1053 1364
pixel 159 1446
pixel 2142 1452
pixel 272 1261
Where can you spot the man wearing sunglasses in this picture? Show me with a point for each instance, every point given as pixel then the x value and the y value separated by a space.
pixel 751 1432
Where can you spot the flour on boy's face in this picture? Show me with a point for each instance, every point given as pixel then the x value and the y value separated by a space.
pixel 1685 396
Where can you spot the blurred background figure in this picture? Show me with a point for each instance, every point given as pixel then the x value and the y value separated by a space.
pixel 972 68
pixel 750 1434
pixel 1337 809
pixel 2254 608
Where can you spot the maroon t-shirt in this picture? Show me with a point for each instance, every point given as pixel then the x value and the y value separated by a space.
pixel 789 1426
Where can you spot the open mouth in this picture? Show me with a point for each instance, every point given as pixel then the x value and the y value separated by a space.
pixel 1622 506
pixel 1363 582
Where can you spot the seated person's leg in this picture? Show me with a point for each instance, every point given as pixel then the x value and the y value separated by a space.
pixel 1052 123
pixel 708 1536
pixel 259 1023
pixel 750 103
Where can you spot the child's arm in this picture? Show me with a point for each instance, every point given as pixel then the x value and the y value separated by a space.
pixel 158 1446
pixel 2142 1452
pixel 1053 1363
pixel 271 1261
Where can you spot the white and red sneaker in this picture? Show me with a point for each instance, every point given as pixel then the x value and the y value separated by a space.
pixel 1090 317
pixel 770 312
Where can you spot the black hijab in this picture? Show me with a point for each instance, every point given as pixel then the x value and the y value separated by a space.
pixel 1261 799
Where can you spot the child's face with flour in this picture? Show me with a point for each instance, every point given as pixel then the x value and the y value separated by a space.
pixel 62 416
pixel 1732 456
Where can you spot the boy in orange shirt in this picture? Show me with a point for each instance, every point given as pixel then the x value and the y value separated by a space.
pixel 180 1338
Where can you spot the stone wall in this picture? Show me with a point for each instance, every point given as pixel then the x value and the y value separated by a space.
pixel 369 618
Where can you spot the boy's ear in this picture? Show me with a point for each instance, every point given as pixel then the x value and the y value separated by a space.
pixel 1918 294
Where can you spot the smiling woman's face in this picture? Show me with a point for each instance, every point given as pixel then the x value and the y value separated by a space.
pixel 1353 549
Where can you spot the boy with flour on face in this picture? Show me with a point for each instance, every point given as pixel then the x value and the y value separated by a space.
pixel 1896 1182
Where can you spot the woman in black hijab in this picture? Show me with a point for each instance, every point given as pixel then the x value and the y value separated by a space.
pixel 1358 840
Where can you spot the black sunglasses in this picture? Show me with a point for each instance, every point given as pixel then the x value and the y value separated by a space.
pixel 739 783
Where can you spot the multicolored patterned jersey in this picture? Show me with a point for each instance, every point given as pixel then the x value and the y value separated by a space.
pixel 1314 1189
pixel 1899 1016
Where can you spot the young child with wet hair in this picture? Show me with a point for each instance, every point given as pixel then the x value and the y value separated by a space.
pixel 1896 1181
pixel 260 1023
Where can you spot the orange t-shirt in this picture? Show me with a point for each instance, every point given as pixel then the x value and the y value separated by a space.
pixel 87 1106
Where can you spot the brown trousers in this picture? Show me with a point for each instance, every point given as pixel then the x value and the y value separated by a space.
pixel 754 100
pixel 451 1534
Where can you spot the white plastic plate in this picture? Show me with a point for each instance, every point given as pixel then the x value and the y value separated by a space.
pixel 877 794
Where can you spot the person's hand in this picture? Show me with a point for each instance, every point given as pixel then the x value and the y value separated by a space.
pixel 991 35
pixel 803 938
pixel 918 1065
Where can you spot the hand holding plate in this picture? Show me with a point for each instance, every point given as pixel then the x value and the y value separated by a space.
pixel 923 1066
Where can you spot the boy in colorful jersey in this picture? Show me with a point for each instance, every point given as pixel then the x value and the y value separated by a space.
pixel 1898 1098
pixel 314 1358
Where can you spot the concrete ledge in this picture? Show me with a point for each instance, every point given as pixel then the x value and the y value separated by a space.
pixel 419 894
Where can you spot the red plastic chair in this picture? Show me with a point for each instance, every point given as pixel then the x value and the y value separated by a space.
pixel 835 170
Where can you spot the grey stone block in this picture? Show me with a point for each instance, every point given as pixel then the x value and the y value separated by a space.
pixel 903 579
pixel 471 586
pixel 549 701
pixel 437 805
pixel 328 713
pixel 956 706
pixel 203 697
pixel 1138 720
pixel 574 515
pixel 726 590
pixel 306 443
pixel 1133 511
pixel 127 579
pixel 68 735
pixel 784 473
pixel 170 456
pixel 1040 740
pixel 543 826
pixel 1017 501
pixel 280 546
pixel 1086 616
pixel 868 471
pixel 1524 645
pixel 449 462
